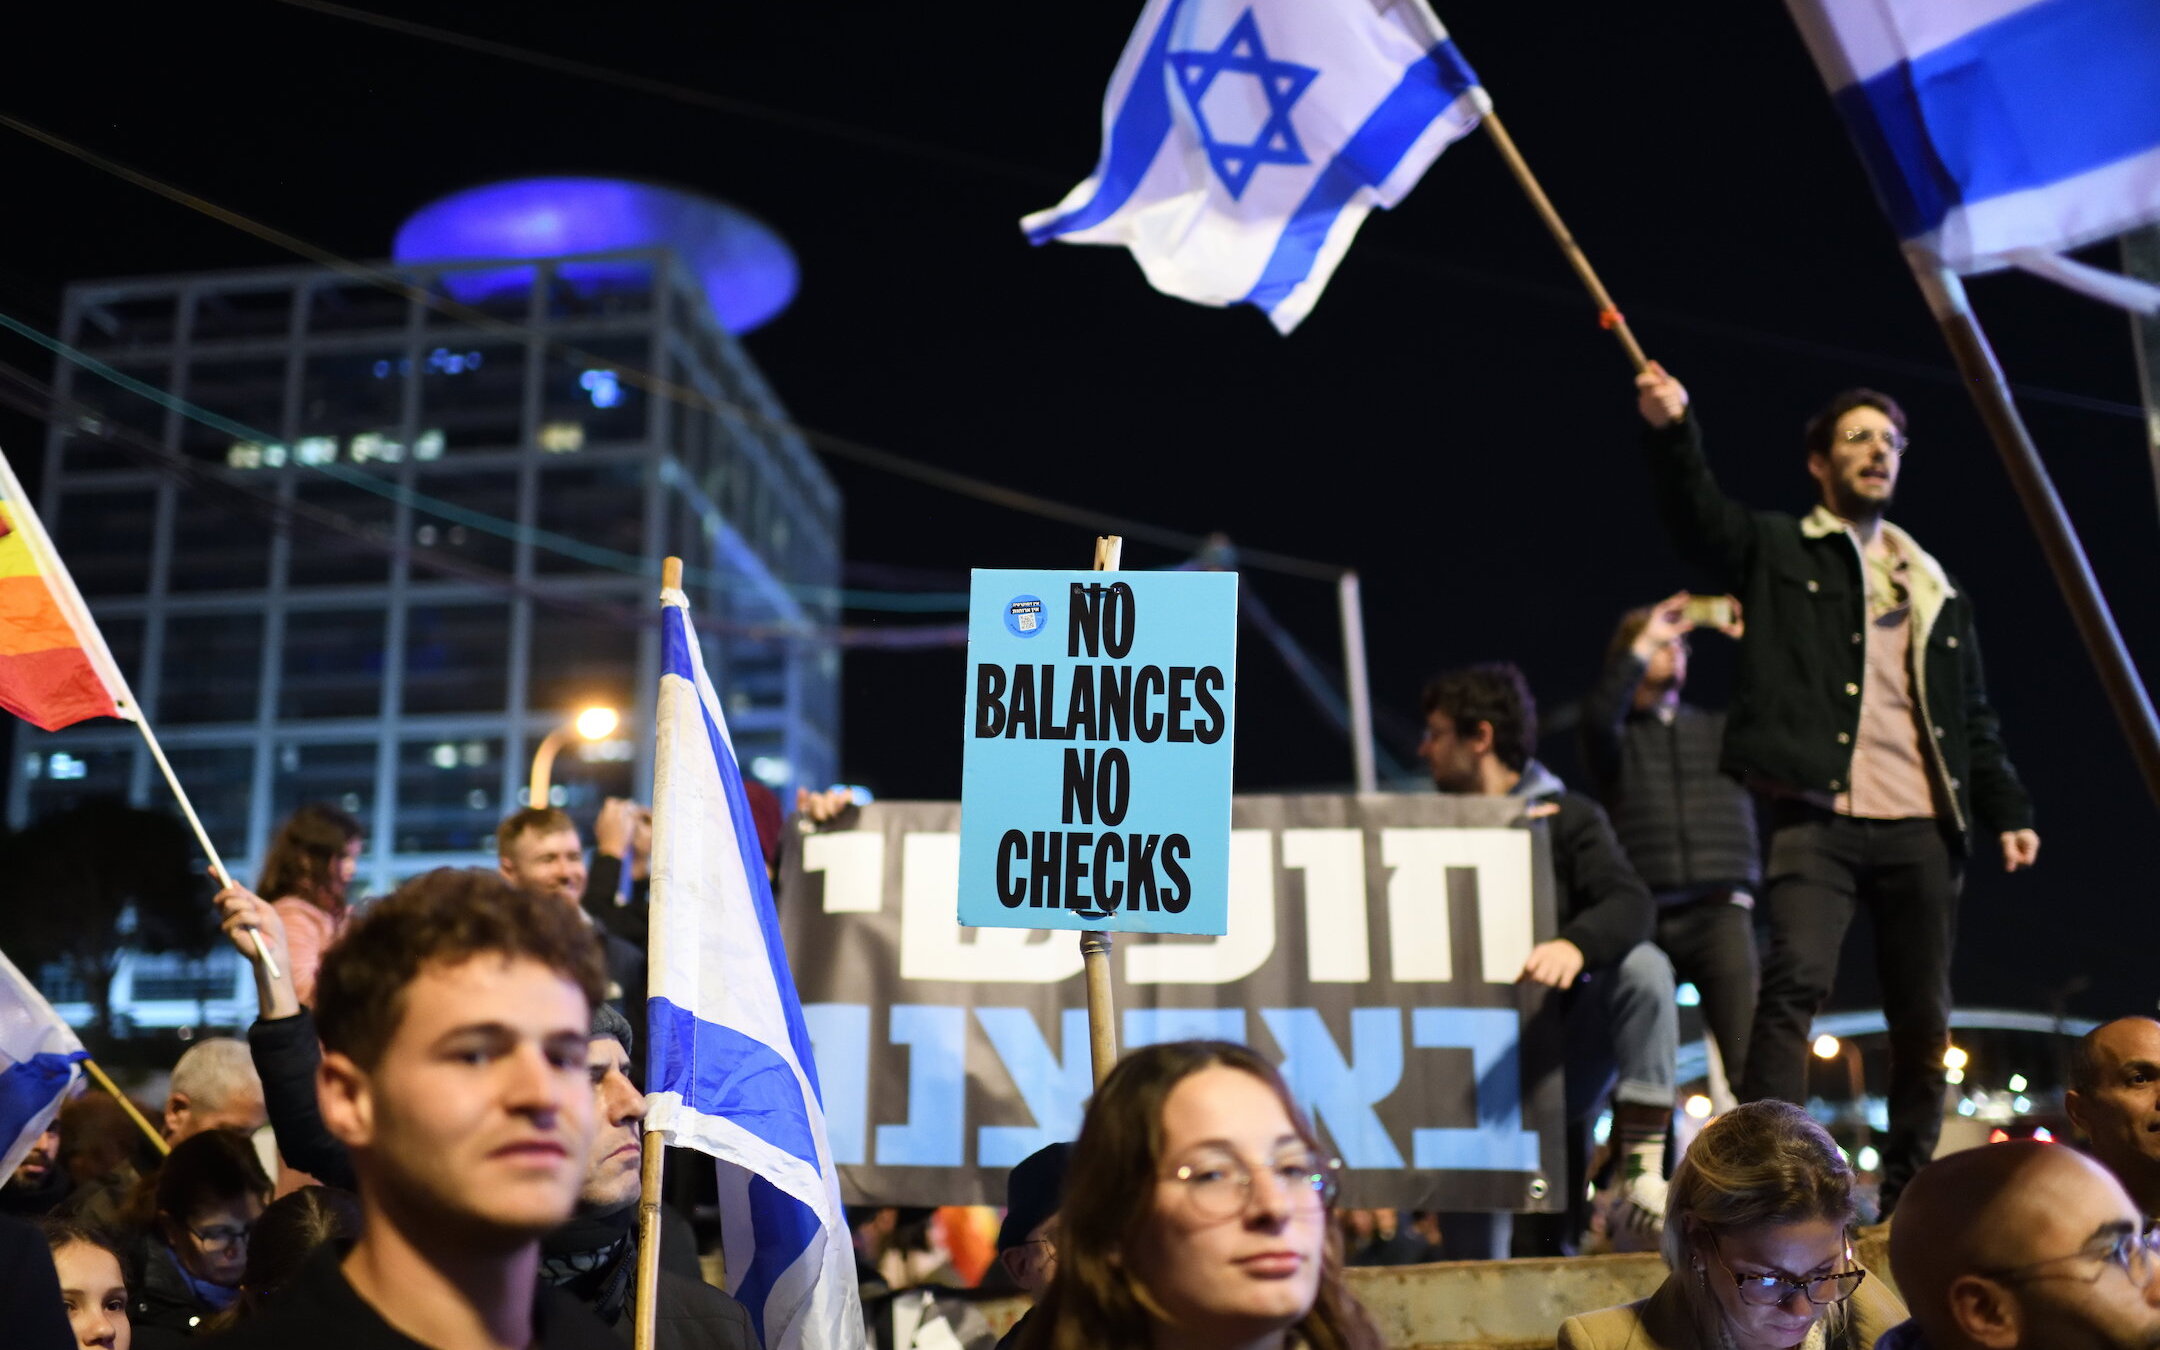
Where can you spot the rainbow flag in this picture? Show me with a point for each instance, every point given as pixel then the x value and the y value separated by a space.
pixel 55 670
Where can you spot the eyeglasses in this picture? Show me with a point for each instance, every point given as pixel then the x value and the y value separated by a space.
pixel 2137 1255
pixel 1765 1291
pixel 218 1240
pixel 1221 1183
pixel 1892 440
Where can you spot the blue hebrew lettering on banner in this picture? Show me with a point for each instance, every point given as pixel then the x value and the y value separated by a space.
pixel 1371 952
pixel 1095 790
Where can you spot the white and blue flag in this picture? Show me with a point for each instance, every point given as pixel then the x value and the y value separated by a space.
pixel 2000 133
pixel 1245 140
pixel 40 1059
pixel 731 1071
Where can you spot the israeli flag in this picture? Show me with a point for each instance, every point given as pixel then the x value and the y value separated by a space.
pixel 1245 140
pixel 731 1069
pixel 2000 133
pixel 40 1059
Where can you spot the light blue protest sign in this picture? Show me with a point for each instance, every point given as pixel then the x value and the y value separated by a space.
pixel 1095 791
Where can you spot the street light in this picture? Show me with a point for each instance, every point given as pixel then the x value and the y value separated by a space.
pixel 594 724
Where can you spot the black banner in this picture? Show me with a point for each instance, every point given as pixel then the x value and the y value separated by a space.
pixel 1373 948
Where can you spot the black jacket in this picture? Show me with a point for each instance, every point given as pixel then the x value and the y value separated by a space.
pixel 30 1291
pixel 1687 826
pixel 162 1309
pixel 1796 703
pixel 1603 907
pixel 319 1310
pixel 692 1315
pixel 286 1054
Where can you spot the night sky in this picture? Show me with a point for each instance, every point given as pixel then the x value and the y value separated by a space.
pixel 1450 421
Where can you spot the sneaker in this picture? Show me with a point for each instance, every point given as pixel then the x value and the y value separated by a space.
pixel 1636 1220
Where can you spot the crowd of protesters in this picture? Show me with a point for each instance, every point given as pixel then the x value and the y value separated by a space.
pixel 431 1134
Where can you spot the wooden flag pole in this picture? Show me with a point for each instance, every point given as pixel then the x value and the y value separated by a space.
pixel 1095 943
pixel 652 1157
pixel 1608 312
pixel 202 836
pixel 642 1305
pixel 97 1075
pixel 2044 509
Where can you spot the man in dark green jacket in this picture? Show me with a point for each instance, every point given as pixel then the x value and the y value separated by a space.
pixel 1860 713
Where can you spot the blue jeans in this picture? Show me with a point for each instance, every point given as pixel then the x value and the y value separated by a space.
pixel 1623 1022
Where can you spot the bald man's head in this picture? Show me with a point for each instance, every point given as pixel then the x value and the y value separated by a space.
pixel 2006 1247
pixel 2114 1098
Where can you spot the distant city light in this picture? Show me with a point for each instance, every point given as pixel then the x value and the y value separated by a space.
pixel 604 386
pixel 1826 1046
pixel 2021 1103
pixel 2017 1082
pixel 1953 1076
pixel 443 756
pixel 1698 1107
pixel 561 438
pixel 1602 1131
pixel 1965 1106
pixel 1954 1058
pixel 771 770
pixel 1688 996
pixel 1998 1135
pixel 747 271
pixel 64 765
pixel 1869 1159
pixel 2043 1134
pixel 597 723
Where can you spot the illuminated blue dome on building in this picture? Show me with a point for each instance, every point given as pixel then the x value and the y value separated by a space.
pixel 747 270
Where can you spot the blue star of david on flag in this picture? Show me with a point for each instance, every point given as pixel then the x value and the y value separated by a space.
pixel 1221 200
pixel 1281 85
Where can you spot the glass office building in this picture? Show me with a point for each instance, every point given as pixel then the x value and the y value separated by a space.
pixel 363 551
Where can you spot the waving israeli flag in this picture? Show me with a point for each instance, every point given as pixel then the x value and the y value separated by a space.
pixel 731 1069
pixel 2000 133
pixel 1245 140
pixel 40 1060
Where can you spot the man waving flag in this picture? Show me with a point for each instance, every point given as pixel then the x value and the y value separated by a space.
pixel 1245 140
pixel 731 1069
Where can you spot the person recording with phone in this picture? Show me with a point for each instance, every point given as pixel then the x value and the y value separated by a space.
pixel 1686 825
pixel 1860 711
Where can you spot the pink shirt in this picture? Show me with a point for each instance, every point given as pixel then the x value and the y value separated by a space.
pixel 1890 778
pixel 309 930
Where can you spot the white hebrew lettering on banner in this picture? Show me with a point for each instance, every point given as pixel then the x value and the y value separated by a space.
pixel 1420 948
pixel 1338 948
pixel 933 947
pixel 1240 952
pixel 853 862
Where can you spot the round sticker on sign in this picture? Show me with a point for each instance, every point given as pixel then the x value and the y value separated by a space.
pixel 1024 616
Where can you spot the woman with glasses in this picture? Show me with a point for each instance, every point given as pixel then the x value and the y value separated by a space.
pixel 1196 1216
pixel 195 1217
pixel 1756 1236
